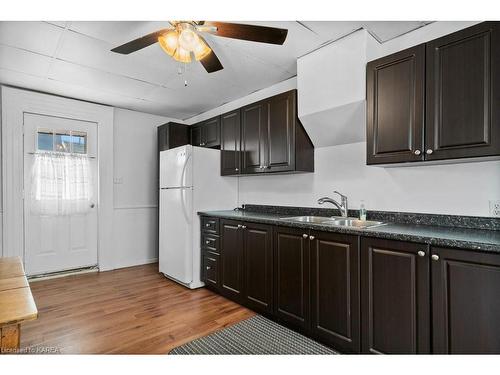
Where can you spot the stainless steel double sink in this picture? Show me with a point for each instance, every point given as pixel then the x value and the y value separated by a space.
pixel 337 221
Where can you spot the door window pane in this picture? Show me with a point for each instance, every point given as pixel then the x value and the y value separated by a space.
pixel 79 143
pixel 45 141
pixel 62 142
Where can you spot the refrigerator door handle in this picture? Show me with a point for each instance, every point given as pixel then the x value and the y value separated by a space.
pixel 183 174
pixel 183 203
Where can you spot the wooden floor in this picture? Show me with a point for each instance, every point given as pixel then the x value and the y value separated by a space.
pixel 131 310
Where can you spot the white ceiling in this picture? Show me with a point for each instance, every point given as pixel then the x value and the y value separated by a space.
pixel 73 59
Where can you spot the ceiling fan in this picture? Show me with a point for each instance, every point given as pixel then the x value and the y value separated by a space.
pixel 183 41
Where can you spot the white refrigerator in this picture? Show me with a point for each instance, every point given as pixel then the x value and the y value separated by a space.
pixel 190 181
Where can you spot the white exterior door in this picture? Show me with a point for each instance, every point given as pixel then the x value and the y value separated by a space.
pixel 57 243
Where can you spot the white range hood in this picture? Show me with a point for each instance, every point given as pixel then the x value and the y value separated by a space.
pixel 331 91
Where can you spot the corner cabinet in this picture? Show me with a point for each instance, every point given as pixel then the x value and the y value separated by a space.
pixel 265 137
pixel 436 101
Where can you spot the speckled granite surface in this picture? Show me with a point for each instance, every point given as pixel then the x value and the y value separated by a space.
pixel 446 236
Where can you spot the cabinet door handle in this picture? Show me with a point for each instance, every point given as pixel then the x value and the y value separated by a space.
pixel 207 225
pixel 421 253
pixel 435 257
pixel 311 238
pixel 429 151
pixel 243 227
pixel 236 169
pixel 209 268
pixel 239 226
pixel 305 235
pixel 207 242
pixel 417 152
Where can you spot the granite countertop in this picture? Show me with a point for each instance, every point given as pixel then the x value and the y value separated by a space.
pixel 463 238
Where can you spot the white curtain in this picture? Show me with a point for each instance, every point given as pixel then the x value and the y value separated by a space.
pixel 61 184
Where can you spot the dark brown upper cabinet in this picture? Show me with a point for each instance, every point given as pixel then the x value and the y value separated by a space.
pixel 465 302
pixel 395 297
pixel 206 134
pixel 335 315
pixel 272 139
pixel 395 107
pixel 436 101
pixel 171 135
pixel 463 94
pixel 254 120
pixel 230 143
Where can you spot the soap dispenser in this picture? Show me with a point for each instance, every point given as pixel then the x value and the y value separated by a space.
pixel 362 211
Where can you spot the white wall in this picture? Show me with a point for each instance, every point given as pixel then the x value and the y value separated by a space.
pixel 455 189
pixel 135 221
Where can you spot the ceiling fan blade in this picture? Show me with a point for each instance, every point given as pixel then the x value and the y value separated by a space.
pixel 139 43
pixel 210 62
pixel 262 34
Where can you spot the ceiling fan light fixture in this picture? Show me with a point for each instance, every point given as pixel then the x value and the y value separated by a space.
pixel 188 39
pixel 201 50
pixel 169 42
pixel 182 55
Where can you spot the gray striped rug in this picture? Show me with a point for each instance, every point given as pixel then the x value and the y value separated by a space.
pixel 256 335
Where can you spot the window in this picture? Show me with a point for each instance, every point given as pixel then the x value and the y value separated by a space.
pixel 73 142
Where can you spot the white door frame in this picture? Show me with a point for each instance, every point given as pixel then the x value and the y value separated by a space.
pixel 16 102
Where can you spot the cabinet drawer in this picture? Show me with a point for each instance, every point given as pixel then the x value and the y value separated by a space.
pixel 211 269
pixel 210 242
pixel 210 225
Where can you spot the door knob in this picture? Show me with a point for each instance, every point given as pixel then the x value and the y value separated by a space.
pixel 429 151
pixel 435 257
pixel 305 235
pixel 92 205
pixel 236 169
pixel 311 238
pixel 421 253
pixel 417 152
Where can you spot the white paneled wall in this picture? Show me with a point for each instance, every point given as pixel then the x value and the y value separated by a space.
pixel 135 221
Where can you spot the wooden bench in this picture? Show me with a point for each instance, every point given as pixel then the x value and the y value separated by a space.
pixel 16 303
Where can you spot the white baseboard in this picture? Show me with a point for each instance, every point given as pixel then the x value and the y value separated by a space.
pixel 131 263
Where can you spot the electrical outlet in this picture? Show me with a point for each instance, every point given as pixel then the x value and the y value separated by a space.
pixel 495 208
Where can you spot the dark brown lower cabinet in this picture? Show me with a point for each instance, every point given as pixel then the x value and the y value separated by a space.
pixel 258 266
pixel 335 316
pixel 465 302
pixel 231 260
pixel 395 297
pixel 211 269
pixel 291 259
